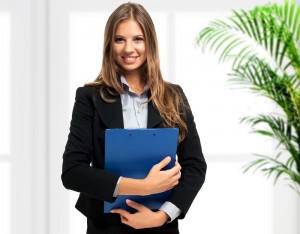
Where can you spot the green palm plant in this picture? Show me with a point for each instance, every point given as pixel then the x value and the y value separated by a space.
pixel 263 45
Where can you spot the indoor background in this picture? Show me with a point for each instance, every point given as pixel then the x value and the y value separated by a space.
pixel 48 48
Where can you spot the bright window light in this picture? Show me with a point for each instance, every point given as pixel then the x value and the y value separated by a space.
pixel 5 50
pixel 217 104
pixel 231 202
pixel 5 195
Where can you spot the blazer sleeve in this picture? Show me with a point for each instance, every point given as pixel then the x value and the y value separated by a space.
pixel 77 173
pixel 193 165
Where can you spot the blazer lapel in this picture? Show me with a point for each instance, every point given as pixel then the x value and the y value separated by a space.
pixel 154 118
pixel 112 116
pixel 110 113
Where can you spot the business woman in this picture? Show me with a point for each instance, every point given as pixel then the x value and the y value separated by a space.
pixel 131 93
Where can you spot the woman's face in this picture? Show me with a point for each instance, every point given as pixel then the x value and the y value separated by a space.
pixel 129 49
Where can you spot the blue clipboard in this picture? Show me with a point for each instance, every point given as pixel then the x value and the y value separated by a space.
pixel 132 153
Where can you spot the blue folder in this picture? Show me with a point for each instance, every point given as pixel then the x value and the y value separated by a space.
pixel 132 153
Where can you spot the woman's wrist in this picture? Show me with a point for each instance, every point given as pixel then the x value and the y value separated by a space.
pixel 162 217
pixel 129 186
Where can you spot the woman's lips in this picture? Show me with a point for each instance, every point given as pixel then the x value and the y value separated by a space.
pixel 129 59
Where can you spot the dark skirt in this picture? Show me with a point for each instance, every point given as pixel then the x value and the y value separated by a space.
pixel 95 227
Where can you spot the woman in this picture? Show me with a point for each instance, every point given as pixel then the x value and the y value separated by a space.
pixel 131 93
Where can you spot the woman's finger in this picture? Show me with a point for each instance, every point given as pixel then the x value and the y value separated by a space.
pixel 135 205
pixel 163 163
pixel 123 213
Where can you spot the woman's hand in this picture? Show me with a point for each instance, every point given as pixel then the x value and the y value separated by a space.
pixel 143 218
pixel 158 181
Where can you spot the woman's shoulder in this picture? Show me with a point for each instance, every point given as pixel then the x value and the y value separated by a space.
pixel 87 89
pixel 175 88
pixel 86 94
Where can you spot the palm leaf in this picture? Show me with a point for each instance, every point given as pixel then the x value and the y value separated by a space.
pixel 264 47
pixel 278 129
pixel 252 25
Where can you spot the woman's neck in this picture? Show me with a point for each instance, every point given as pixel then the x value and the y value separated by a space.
pixel 135 82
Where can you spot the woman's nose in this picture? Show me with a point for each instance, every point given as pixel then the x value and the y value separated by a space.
pixel 128 47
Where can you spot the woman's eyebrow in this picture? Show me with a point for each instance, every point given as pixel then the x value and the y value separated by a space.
pixel 138 35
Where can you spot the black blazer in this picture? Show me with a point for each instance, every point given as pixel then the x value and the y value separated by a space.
pixel 83 159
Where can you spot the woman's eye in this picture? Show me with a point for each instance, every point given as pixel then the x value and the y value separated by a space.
pixel 119 39
pixel 139 39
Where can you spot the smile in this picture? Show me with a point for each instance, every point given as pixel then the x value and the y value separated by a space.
pixel 129 59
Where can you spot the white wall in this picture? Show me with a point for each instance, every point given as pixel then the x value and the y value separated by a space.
pixel 48 48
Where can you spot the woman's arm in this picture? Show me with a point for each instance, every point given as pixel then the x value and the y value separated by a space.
pixel 143 217
pixel 193 172
pixel 157 181
pixel 193 165
pixel 78 175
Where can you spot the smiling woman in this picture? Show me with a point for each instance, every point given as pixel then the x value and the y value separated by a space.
pixel 130 92
pixel 129 51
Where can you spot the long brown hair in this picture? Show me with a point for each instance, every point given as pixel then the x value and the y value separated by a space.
pixel 166 97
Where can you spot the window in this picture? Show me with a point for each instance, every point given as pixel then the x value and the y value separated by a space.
pixel 5 124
